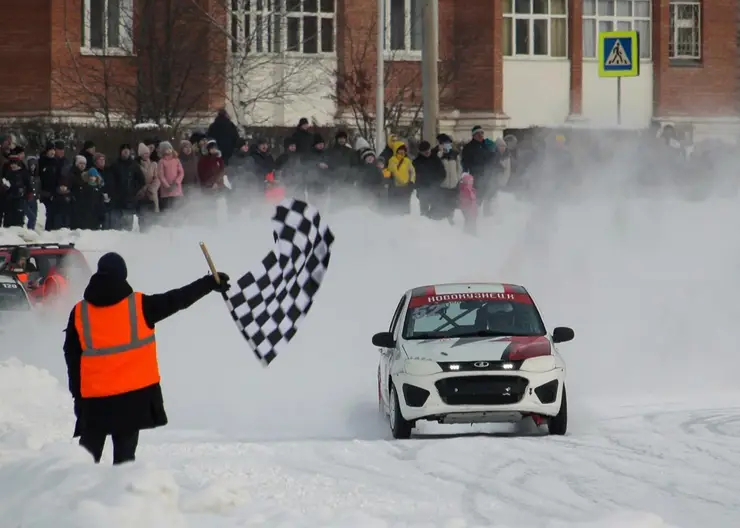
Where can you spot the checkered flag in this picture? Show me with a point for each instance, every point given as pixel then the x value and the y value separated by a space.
pixel 269 304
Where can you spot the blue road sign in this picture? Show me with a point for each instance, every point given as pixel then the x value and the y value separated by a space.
pixel 619 54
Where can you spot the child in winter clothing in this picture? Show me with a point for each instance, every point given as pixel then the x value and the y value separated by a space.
pixel 403 179
pixel 171 174
pixel 150 193
pixel 468 202
pixel 91 204
pixel 211 168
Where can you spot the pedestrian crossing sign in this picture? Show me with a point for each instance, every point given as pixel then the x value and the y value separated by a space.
pixel 619 54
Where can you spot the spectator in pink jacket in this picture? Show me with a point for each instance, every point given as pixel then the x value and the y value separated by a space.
pixel 468 202
pixel 171 174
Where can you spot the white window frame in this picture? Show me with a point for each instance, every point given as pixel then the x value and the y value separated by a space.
pixel 674 51
pixel 513 16
pixel 407 52
pixel 272 8
pixel 615 20
pixel 125 46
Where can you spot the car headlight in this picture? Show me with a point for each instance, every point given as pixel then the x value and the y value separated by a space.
pixel 421 367
pixel 539 364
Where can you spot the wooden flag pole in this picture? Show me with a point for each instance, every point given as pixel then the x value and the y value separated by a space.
pixel 209 260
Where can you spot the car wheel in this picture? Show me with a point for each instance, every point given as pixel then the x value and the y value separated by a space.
pixel 400 427
pixel 558 424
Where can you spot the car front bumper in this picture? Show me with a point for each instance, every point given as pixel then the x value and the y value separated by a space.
pixel 472 397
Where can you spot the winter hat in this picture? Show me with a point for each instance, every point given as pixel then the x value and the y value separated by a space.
pixel 98 155
pixel 212 143
pixel 49 146
pixel 340 135
pixel 59 144
pixel 15 153
pixel 261 141
pixel 164 146
pixel 476 129
pixel 185 144
pixel 142 149
pixel 124 146
pixel 443 138
pixel 380 159
pixel 93 173
pixel 425 146
pixel 302 121
pixel 88 145
pixel 288 142
pixel 317 139
pixel 366 153
pixel 113 266
pixel 80 159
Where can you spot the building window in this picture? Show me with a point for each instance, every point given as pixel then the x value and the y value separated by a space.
pixel 282 26
pixel 107 25
pixel 535 28
pixel 616 15
pixel 404 19
pixel 685 43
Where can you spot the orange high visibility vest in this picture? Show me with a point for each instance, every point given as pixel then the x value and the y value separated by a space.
pixel 119 350
pixel 53 285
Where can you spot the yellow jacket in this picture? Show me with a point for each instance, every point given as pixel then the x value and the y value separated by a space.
pixel 402 170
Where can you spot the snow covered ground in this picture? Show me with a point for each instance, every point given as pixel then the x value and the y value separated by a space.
pixel 649 287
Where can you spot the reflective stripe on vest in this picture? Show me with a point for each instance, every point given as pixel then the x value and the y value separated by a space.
pixel 119 352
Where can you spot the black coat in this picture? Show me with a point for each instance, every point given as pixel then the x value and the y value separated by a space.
pixel 123 182
pixel 136 410
pixel 226 134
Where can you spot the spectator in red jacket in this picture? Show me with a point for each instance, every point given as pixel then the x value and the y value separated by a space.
pixel 211 168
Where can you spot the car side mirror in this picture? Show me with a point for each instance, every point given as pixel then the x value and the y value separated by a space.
pixel 384 340
pixel 562 334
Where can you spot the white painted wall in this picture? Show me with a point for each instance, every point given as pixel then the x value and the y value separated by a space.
pixel 600 97
pixel 536 92
pixel 282 90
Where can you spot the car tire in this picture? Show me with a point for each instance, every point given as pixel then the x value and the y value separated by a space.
pixel 400 427
pixel 558 424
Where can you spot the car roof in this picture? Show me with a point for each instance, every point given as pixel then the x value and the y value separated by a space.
pixel 467 287
pixel 8 248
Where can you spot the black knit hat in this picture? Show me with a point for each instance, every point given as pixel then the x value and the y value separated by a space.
pixel 425 146
pixel 113 266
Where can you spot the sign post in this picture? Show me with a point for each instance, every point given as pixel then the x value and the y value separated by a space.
pixel 619 56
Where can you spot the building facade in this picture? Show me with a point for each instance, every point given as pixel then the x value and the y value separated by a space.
pixel 503 63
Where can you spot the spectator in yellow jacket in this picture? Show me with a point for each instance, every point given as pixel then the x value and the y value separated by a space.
pixel 403 178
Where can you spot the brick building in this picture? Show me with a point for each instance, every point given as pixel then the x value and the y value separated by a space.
pixel 77 59
pixel 503 63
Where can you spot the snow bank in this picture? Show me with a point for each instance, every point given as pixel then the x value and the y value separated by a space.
pixel 301 444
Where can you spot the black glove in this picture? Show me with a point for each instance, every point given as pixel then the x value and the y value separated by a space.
pixel 223 283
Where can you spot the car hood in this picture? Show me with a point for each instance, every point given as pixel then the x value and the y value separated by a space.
pixel 512 348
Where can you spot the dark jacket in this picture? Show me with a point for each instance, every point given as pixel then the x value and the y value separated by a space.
pixel 123 181
pixel 476 158
pixel 49 174
pixel 430 171
pixel 136 410
pixel 224 131
pixel 303 140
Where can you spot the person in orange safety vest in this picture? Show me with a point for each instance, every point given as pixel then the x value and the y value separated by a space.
pixel 54 284
pixel 111 354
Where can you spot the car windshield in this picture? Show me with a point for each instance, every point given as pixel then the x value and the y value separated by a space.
pixel 487 314
pixel 13 298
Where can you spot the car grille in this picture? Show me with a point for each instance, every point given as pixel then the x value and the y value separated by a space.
pixel 482 390
pixel 479 366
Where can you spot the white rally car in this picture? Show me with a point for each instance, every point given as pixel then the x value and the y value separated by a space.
pixel 471 353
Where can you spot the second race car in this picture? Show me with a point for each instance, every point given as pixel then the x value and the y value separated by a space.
pixel 471 353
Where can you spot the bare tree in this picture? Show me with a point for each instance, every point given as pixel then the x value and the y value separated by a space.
pixel 356 88
pixel 170 58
